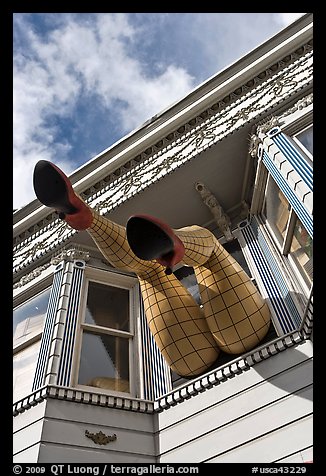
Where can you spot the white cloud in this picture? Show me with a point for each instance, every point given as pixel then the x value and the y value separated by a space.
pixel 79 59
pixel 96 58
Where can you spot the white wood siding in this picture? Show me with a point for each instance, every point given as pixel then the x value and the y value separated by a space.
pixel 27 431
pixel 262 415
pixel 64 440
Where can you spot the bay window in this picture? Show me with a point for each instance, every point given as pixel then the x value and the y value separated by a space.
pixel 290 235
pixel 28 323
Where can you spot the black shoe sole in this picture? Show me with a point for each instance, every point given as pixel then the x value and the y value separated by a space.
pixel 147 240
pixel 51 189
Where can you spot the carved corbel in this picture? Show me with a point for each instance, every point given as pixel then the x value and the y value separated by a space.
pixel 222 219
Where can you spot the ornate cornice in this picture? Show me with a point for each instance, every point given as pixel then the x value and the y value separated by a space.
pixel 70 254
pixel 27 278
pixel 299 105
pixel 232 112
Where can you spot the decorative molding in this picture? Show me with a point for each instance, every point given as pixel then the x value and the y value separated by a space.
pixel 82 396
pixel 70 254
pixel 221 218
pixel 227 371
pixel 299 105
pixel 186 144
pixel 184 392
pixel 264 127
pixel 261 128
pixel 100 438
pixel 27 278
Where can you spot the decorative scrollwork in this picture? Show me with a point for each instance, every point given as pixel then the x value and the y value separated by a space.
pixel 101 438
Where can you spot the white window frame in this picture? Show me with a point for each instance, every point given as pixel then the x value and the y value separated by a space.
pixel 22 299
pixel 24 294
pixel 284 249
pixel 119 280
pixel 300 145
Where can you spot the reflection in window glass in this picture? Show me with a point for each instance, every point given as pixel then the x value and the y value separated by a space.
pixel 302 251
pixel 187 277
pixel 24 369
pixel 104 362
pixel 28 319
pixel 107 306
pixel 233 247
pixel 276 210
pixel 306 138
pixel 186 274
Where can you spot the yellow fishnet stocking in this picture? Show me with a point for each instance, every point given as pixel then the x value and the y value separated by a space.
pixel 234 319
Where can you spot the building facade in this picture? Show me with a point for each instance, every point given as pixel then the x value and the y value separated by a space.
pixel 90 385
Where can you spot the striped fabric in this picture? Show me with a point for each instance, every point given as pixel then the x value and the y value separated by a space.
pixel 296 159
pixel 271 277
pixel 156 373
pixel 47 335
pixel 69 335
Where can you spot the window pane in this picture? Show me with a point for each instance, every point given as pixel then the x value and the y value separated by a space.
pixel 277 210
pixel 24 369
pixel 28 319
pixel 187 277
pixel 233 247
pixel 107 306
pixel 301 251
pixel 306 138
pixel 104 362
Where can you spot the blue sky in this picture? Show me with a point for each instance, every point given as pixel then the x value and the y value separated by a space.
pixel 82 81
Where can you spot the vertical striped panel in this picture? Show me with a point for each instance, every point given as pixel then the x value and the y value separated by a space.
pixel 273 282
pixel 275 268
pixel 300 210
pixel 297 160
pixel 157 375
pixel 69 334
pixel 48 328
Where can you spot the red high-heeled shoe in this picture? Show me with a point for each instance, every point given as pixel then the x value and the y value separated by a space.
pixel 53 188
pixel 150 238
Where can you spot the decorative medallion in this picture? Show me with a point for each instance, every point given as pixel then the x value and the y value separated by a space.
pixel 100 438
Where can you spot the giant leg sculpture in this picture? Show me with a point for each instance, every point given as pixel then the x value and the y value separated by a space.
pixel 234 316
pixel 176 321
